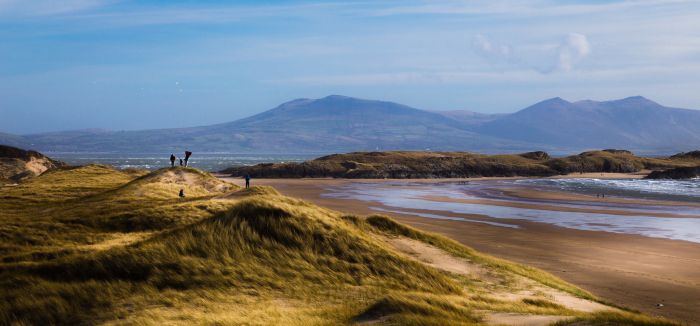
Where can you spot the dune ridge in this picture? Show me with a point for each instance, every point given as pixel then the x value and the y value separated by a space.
pixel 100 246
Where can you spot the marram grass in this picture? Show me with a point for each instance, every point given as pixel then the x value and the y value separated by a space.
pixel 92 245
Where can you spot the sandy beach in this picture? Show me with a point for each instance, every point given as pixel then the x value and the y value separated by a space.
pixel 634 271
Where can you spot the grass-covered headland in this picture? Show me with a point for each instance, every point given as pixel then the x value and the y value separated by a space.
pixel 427 164
pixel 93 245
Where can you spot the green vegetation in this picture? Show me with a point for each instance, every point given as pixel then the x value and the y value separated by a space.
pixel 402 164
pixel 92 245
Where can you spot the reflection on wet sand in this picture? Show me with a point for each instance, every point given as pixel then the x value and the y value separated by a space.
pixel 489 199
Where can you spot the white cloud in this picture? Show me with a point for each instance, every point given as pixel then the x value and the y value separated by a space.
pixel 492 50
pixel 572 50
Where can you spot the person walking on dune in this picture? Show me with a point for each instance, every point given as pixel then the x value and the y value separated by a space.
pixel 187 156
pixel 172 160
pixel 247 181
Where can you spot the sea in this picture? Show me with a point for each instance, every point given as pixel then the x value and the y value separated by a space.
pixel 151 161
pixel 675 190
pixel 418 198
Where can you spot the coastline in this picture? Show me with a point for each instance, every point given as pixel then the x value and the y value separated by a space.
pixel 662 271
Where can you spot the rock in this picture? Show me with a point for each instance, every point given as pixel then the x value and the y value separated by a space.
pixel 538 155
pixel 677 173
pixel 618 151
pixel 693 155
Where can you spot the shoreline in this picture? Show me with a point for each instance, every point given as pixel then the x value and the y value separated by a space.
pixel 605 175
pixel 662 271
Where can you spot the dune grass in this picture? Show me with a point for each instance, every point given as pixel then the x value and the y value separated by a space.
pixel 93 245
pixel 388 225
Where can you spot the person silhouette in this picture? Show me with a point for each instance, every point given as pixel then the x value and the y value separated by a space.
pixel 182 193
pixel 172 160
pixel 187 156
pixel 247 181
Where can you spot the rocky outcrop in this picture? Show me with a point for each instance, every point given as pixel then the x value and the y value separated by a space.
pixel 618 151
pixel 694 155
pixel 688 172
pixel 538 155
pixel 17 164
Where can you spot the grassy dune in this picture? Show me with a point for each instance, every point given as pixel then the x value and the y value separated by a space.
pixel 92 245
pixel 405 164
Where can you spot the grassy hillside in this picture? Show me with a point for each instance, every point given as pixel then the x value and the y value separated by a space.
pixel 17 164
pixel 92 245
pixel 458 165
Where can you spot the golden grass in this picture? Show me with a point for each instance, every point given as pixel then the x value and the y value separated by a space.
pixel 92 245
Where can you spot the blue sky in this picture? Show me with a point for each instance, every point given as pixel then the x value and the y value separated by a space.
pixel 149 64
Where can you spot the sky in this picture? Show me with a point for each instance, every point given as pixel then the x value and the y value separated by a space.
pixel 125 65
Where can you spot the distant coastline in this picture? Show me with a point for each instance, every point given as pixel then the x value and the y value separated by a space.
pixel 432 165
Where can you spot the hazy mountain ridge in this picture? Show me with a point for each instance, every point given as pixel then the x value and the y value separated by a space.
pixel 338 123
pixel 470 118
pixel 633 122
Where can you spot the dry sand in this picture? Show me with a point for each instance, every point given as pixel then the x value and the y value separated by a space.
pixel 629 270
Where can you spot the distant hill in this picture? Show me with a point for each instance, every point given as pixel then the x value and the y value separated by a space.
pixel 12 140
pixel 411 165
pixel 332 123
pixel 341 124
pixel 633 122
pixel 470 118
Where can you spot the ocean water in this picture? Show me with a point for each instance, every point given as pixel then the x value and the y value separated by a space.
pixel 151 161
pixel 680 190
pixel 415 199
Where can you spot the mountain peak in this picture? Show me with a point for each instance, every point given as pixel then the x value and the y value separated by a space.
pixel 638 98
pixel 635 101
pixel 556 100
pixel 337 97
pixel 549 104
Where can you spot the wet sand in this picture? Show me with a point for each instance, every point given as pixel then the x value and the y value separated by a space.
pixel 629 270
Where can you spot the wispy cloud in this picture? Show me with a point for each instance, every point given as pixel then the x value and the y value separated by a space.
pixel 47 7
pixel 492 50
pixel 572 49
pixel 480 77
pixel 127 15
pixel 530 8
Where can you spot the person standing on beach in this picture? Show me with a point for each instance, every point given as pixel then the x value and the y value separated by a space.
pixel 172 160
pixel 187 156
pixel 247 181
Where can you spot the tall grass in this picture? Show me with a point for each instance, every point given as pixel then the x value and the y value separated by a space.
pixel 226 256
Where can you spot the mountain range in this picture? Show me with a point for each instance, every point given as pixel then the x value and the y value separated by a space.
pixel 338 123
